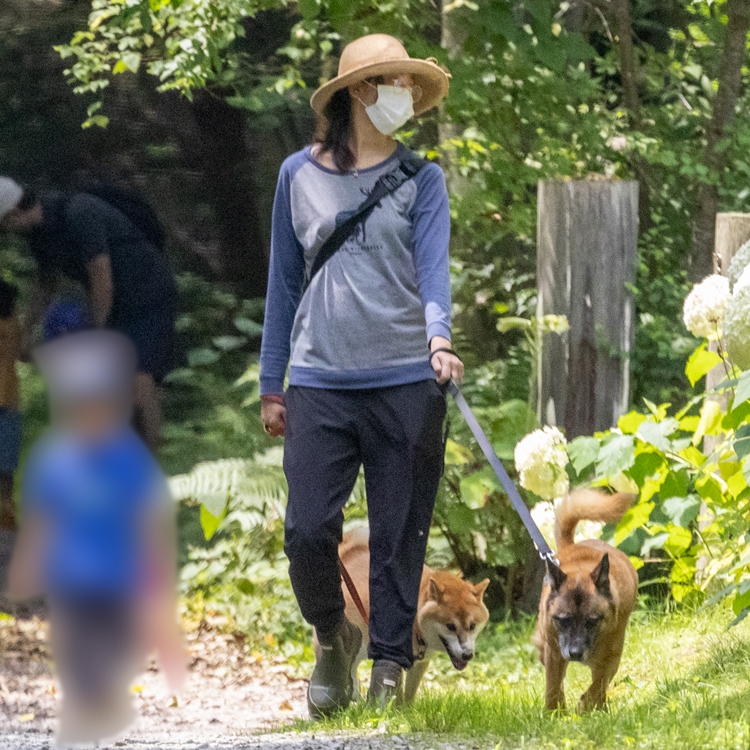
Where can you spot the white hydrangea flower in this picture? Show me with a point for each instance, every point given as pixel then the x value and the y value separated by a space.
pixel 737 325
pixel 705 306
pixel 541 461
pixel 740 262
pixel 743 281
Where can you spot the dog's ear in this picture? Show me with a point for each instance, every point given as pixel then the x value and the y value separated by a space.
pixel 480 588
pixel 436 591
pixel 556 576
pixel 600 576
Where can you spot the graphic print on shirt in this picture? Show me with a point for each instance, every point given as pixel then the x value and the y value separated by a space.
pixel 356 243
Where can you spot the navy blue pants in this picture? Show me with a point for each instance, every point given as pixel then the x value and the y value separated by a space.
pixel 396 434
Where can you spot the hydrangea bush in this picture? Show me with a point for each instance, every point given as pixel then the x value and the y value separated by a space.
pixel 689 468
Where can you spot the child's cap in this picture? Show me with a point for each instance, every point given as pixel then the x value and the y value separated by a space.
pixel 64 316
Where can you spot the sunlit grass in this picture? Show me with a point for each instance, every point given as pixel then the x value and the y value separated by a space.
pixel 684 683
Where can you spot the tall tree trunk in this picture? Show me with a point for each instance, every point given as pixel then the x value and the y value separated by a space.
pixel 227 165
pixel 629 80
pixel 451 40
pixel 733 57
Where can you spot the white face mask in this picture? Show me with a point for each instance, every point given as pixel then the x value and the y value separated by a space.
pixel 393 108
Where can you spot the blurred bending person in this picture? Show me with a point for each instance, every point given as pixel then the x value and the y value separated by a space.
pixel 127 277
pixel 97 532
pixel 10 417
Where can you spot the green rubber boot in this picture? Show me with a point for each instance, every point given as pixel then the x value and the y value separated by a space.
pixel 332 682
pixel 386 683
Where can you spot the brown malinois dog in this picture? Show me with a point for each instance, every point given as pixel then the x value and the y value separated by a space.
pixel 586 600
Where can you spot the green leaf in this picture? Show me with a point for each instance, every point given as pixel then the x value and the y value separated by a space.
pixel 656 433
pixel 742 600
pixel 646 464
pixel 583 452
pixel 227 343
pixel 701 362
pixel 457 455
pixel 675 484
pixel 630 422
pixel 309 9
pixel 743 388
pixel 681 510
pixel 709 489
pixel 203 356
pixel 512 323
pixel 132 61
pixel 737 416
pixel 742 441
pixel 248 327
pixel 209 522
pixel 615 456
pixel 710 422
pixel 633 519
pixel 460 518
pixel 477 486
pixel 339 12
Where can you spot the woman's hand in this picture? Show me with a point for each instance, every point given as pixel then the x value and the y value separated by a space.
pixel 445 364
pixel 273 416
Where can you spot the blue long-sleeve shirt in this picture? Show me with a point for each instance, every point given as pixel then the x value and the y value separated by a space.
pixel 369 313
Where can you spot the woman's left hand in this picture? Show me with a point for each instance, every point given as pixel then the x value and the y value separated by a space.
pixel 445 364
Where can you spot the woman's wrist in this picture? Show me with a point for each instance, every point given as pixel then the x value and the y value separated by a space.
pixel 439 342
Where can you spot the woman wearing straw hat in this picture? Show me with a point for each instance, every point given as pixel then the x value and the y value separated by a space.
pixel 367 334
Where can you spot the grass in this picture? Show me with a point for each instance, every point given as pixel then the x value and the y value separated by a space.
pixel 684 684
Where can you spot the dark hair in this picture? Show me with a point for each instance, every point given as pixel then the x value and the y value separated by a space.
pixel 336 130
pixel 28 200
pixel 8 297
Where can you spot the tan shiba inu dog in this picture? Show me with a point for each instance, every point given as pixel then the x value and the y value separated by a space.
pixel 450 613
pixel 586 601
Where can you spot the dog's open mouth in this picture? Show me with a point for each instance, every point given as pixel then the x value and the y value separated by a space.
pixel 458 663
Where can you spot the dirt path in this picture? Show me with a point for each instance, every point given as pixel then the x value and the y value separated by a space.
pixel 233 699
pixel 231 692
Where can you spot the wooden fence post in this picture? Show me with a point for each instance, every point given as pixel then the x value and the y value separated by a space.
pixel 587 246
pixel 732 231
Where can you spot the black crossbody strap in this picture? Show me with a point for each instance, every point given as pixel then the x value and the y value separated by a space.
pixel 407 169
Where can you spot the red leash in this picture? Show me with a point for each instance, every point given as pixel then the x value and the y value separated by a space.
pixel 353 592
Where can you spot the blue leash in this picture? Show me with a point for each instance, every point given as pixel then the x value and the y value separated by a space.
pixel 545 551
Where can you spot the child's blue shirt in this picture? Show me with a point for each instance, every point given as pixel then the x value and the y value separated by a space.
pixel 95 500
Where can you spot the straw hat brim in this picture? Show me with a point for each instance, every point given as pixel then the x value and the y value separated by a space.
pixel 427 75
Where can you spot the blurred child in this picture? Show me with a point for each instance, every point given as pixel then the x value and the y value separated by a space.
pixel 10 418
pixel 97 534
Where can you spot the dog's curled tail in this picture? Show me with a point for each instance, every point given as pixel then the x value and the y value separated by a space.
pixel 587 505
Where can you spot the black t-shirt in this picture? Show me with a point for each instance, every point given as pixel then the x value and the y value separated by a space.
pixel 78 228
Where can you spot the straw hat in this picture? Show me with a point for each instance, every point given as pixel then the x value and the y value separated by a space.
pixel 378 55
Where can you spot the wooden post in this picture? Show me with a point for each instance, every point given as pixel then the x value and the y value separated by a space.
pixel 587 246
pixel 732 231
